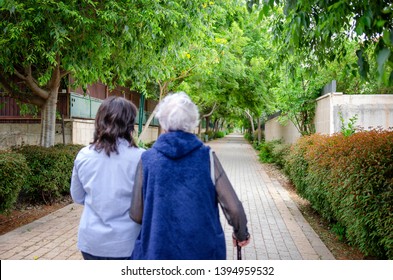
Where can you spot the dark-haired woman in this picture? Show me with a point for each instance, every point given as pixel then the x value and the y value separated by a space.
pixel 103 180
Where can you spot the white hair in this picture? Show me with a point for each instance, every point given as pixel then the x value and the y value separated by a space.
pixel 177 112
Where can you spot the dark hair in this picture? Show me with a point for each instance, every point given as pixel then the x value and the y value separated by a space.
pixel 115 119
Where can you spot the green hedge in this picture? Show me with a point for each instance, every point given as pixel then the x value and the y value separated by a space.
pixel 272 151
pixel 13 175
pixel 211 135
pixel 51 170
pixel 349 181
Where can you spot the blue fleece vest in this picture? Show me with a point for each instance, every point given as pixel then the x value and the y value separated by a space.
pixel 181 217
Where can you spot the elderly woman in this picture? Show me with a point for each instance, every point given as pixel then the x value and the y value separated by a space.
pixel 176 194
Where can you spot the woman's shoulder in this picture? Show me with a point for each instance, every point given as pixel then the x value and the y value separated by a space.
pixel 86 150
pixel 138 151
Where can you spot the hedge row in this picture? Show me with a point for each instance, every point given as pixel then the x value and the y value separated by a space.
pixel 211 135
pixel 13 175
pixel 349 181
pixel 35 174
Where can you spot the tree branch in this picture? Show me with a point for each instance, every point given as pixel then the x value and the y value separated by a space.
pixel 6 86
pixel 183 74
pixel 29 80
pixel 211 112
pixel 18 94
pixel 248 113
pixel 56 74
pixel 64 73
pixel 19 75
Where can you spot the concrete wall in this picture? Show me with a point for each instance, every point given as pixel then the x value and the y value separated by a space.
pixel 276 131
pixel 323 114
pixel 372 111
pixel 77 131
pixel 151 134
pixel 16 134
pixel 82 131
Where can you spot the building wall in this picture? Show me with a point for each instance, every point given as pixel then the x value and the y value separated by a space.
pixel 323 113
pixel 16 134
pixel 276 131
pixel 372 112
pixel 82 131
pixel 77 131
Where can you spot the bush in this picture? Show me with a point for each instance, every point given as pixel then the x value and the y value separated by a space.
pixel 267 152
pixel 219 134
pixel 13 175
pixel 249 137
pixel 210 134
pixel 51 170
pixel 148 145
pixel 280 153
pixel 348 179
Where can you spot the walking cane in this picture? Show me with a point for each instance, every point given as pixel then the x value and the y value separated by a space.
pixel 239 250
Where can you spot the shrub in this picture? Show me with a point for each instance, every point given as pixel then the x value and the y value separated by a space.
pixel 273 152
pixel 210 134
pixel 249 137
pixel 146 146
pixel 297 166
pixel 348 179
pixel 51 170
pixel 280 153
pixel 13 175
pixel 265 152
pixel 219 134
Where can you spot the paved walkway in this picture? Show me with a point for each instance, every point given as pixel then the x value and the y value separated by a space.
pixel 278 230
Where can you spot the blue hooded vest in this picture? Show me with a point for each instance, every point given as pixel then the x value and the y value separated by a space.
pixel 180 206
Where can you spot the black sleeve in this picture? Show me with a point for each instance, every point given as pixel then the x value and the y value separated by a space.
pixel 230 203
pixel 136 210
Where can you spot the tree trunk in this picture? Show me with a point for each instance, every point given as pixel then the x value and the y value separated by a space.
pixel 163 92
pixel 207 123
pixel 222 124
pixel 48 119
pixel 251 122
pixel 259 131
pixel 146 126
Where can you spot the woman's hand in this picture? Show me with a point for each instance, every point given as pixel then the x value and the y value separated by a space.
pixel 240 243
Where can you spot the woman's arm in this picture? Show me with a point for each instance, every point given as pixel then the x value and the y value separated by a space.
pixel 230 204
pixel 77 192
pixel 136 210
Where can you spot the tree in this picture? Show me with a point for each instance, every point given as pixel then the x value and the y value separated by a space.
pixel 130 43
pixel 237 82
pixel 213 87
pixel 322 27
pixel 42 41
pixel 181 48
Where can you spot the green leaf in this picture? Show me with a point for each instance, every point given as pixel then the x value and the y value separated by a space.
pixel 391 36
pixel 265 10
pixel 387 37
pixel 381 23
pixel 359 28
pixel 391 78
pixel 382 57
